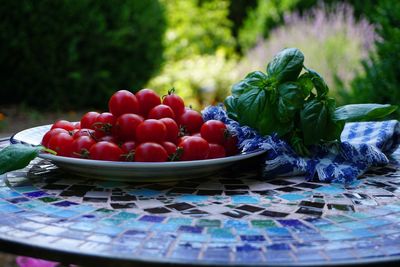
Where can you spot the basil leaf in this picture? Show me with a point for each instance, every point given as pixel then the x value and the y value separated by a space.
pixel 250 107
pixel 253 81
pixel 291 99
pixel 333 128
pixel 314 118
pixel 318 82
pixel 15 157
pixel 231 107
pixel 286 65
pixel 362 112
pixel 305 83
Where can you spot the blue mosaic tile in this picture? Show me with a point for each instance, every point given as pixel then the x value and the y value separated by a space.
pixel 235 219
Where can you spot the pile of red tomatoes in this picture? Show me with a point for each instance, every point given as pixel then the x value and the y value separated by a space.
pixel 142 127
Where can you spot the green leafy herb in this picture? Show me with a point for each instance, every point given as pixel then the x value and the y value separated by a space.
pixel 18 156
pixel 294 105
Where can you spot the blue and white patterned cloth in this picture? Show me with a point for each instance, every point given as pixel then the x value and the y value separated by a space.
pixel 363 145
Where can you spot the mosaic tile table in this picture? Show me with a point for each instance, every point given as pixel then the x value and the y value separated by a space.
pixel 233 218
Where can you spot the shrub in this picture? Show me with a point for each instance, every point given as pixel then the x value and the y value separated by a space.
pixel 333 44
pixel 75 53
pixel 380 82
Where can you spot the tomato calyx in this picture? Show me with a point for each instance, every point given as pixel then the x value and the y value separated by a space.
pixel 177 155
pixel 169 92
pixel 130 156
pixel 84 153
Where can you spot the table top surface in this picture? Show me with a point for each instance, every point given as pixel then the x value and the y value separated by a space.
pixel 236 217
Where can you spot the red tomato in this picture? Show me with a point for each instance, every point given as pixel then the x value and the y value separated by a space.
pixel 169 147
pixel 181 138
pixel 214 131
pixel 128 149
pixel 77 125
pixel 216 151
pixel 172 129
pixel 148 99
pixel 175 102
pixel 191 121
pixel 125 126
pixel 151 131
pixel 105 151
pixel 61 143
pixel 231 145
pixel 108 138
pixel 49 134
pixel 63 124
pixel 81 146
pixel 150 152
pixel 88 119
pixel 83 132
pixel 104 123
pixel 161 111
pixel 123 102
pixel 194 148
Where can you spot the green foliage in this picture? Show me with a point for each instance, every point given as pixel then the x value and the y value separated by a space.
pixel 261 20
pixel 197 28
pixel 200 51
pixel 381 81
pixel 75 53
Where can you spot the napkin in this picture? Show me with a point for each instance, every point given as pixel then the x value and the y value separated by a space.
pixel 363 145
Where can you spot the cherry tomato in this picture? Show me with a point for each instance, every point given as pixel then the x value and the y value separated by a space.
pixel 161 111
pixel 128 149
pixel 169 147
pixel 181 138
pixel 49 134
pixel 108 138
pixel 194 148
pixel 105 151
pixel 231 145
pixel 148 99
pixel 128 146
pixel 83 132
pixel 61 143
pixel 216 151
pixel 63 124
pixel 77 125
pixel 175 102
pixel 214 131
pixel 80 147
pixel 151 131
pixel 88 119
pixel 125 126
pixel 123 102
pixel 104 123
pixel 151 152
pixel 191 121
pixel 172 129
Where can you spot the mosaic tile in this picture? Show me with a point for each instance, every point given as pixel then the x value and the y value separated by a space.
pixel 235 218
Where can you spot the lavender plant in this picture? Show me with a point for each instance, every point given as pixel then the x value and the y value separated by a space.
pixel 335 44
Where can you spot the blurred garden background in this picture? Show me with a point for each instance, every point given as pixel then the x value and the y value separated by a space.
pixel 62 58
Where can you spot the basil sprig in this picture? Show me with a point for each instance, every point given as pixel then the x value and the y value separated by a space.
pixel 295 105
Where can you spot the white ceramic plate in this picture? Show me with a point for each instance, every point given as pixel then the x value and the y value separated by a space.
pixel 130 171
